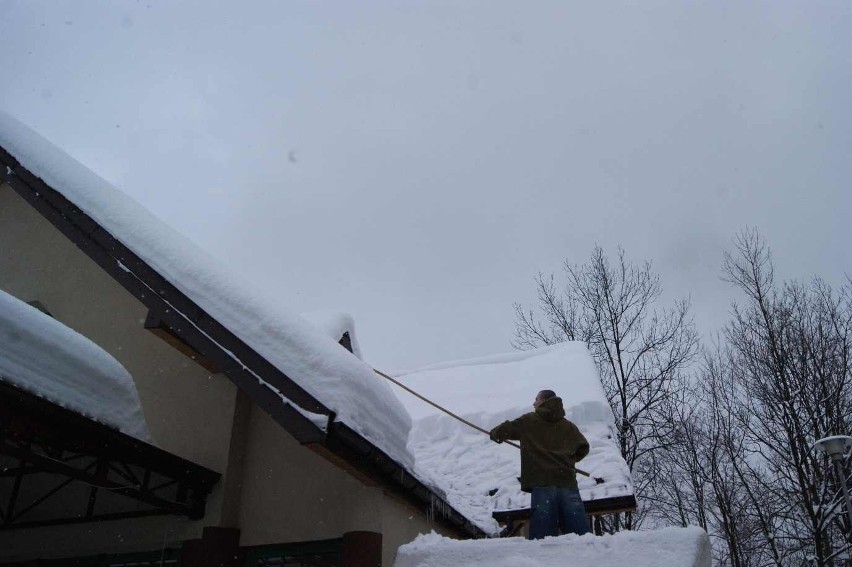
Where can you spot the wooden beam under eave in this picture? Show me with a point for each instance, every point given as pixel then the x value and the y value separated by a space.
pixel 156 326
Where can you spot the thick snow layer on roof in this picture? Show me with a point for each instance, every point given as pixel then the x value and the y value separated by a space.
pixel 467 465
pixel 44 357
pixel 307 355
pixel 670 547
pixel 335 324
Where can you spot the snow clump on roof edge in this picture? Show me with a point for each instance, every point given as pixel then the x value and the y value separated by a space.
pixel 335 324
pixel 42 356
pixel 323 368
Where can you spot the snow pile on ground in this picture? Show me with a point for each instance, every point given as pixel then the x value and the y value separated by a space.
pixel 330 373
pixel 44 357
pixel 479 476
pixel 335 324
pixel 670 547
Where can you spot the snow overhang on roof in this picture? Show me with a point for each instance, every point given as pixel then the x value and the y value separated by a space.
pixel 480 476
pixel 338 325
pixel 42 356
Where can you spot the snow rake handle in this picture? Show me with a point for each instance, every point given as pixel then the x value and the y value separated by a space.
pixel 451 414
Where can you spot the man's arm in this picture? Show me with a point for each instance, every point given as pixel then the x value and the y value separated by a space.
pixel 507 430
pixel 582 445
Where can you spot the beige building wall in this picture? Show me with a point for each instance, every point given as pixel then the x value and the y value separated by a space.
pixel 291 494
pixel 401 524
pixel 38 263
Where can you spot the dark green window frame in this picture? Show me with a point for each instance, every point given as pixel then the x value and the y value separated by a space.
pixel 303 554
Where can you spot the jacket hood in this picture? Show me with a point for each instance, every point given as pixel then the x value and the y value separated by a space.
pixel 551 410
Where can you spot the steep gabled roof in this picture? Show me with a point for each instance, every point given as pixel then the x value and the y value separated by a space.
pixel 324 396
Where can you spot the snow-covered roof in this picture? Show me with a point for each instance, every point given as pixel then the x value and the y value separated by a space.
pixel 335 324
pixel 467 465
pixel 44 357
pixel 670 547
pixel 305 354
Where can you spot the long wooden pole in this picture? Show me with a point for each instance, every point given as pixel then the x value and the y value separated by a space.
pixel 451 414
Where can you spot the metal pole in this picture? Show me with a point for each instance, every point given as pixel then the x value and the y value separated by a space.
pixel 838 467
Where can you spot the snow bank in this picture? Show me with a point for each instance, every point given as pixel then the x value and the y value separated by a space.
pixel 670 547
pixel 44 357
pixel 335 324
pixel 479 476
pixel 307 355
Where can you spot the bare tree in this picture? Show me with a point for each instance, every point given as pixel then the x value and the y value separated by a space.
pixel 789 355
pixel 740 462
pixel 705 466
pixel 640 351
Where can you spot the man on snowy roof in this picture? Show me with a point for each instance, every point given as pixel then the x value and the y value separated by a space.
pixel 550 447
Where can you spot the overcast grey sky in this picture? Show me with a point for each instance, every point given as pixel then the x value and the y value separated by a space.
pixel 417 163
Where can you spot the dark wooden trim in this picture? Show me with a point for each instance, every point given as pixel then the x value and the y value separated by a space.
pixel 154 323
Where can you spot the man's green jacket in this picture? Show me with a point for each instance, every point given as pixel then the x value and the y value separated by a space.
pixel 550 445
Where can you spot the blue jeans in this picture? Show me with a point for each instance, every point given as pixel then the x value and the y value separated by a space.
pixel 554 507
